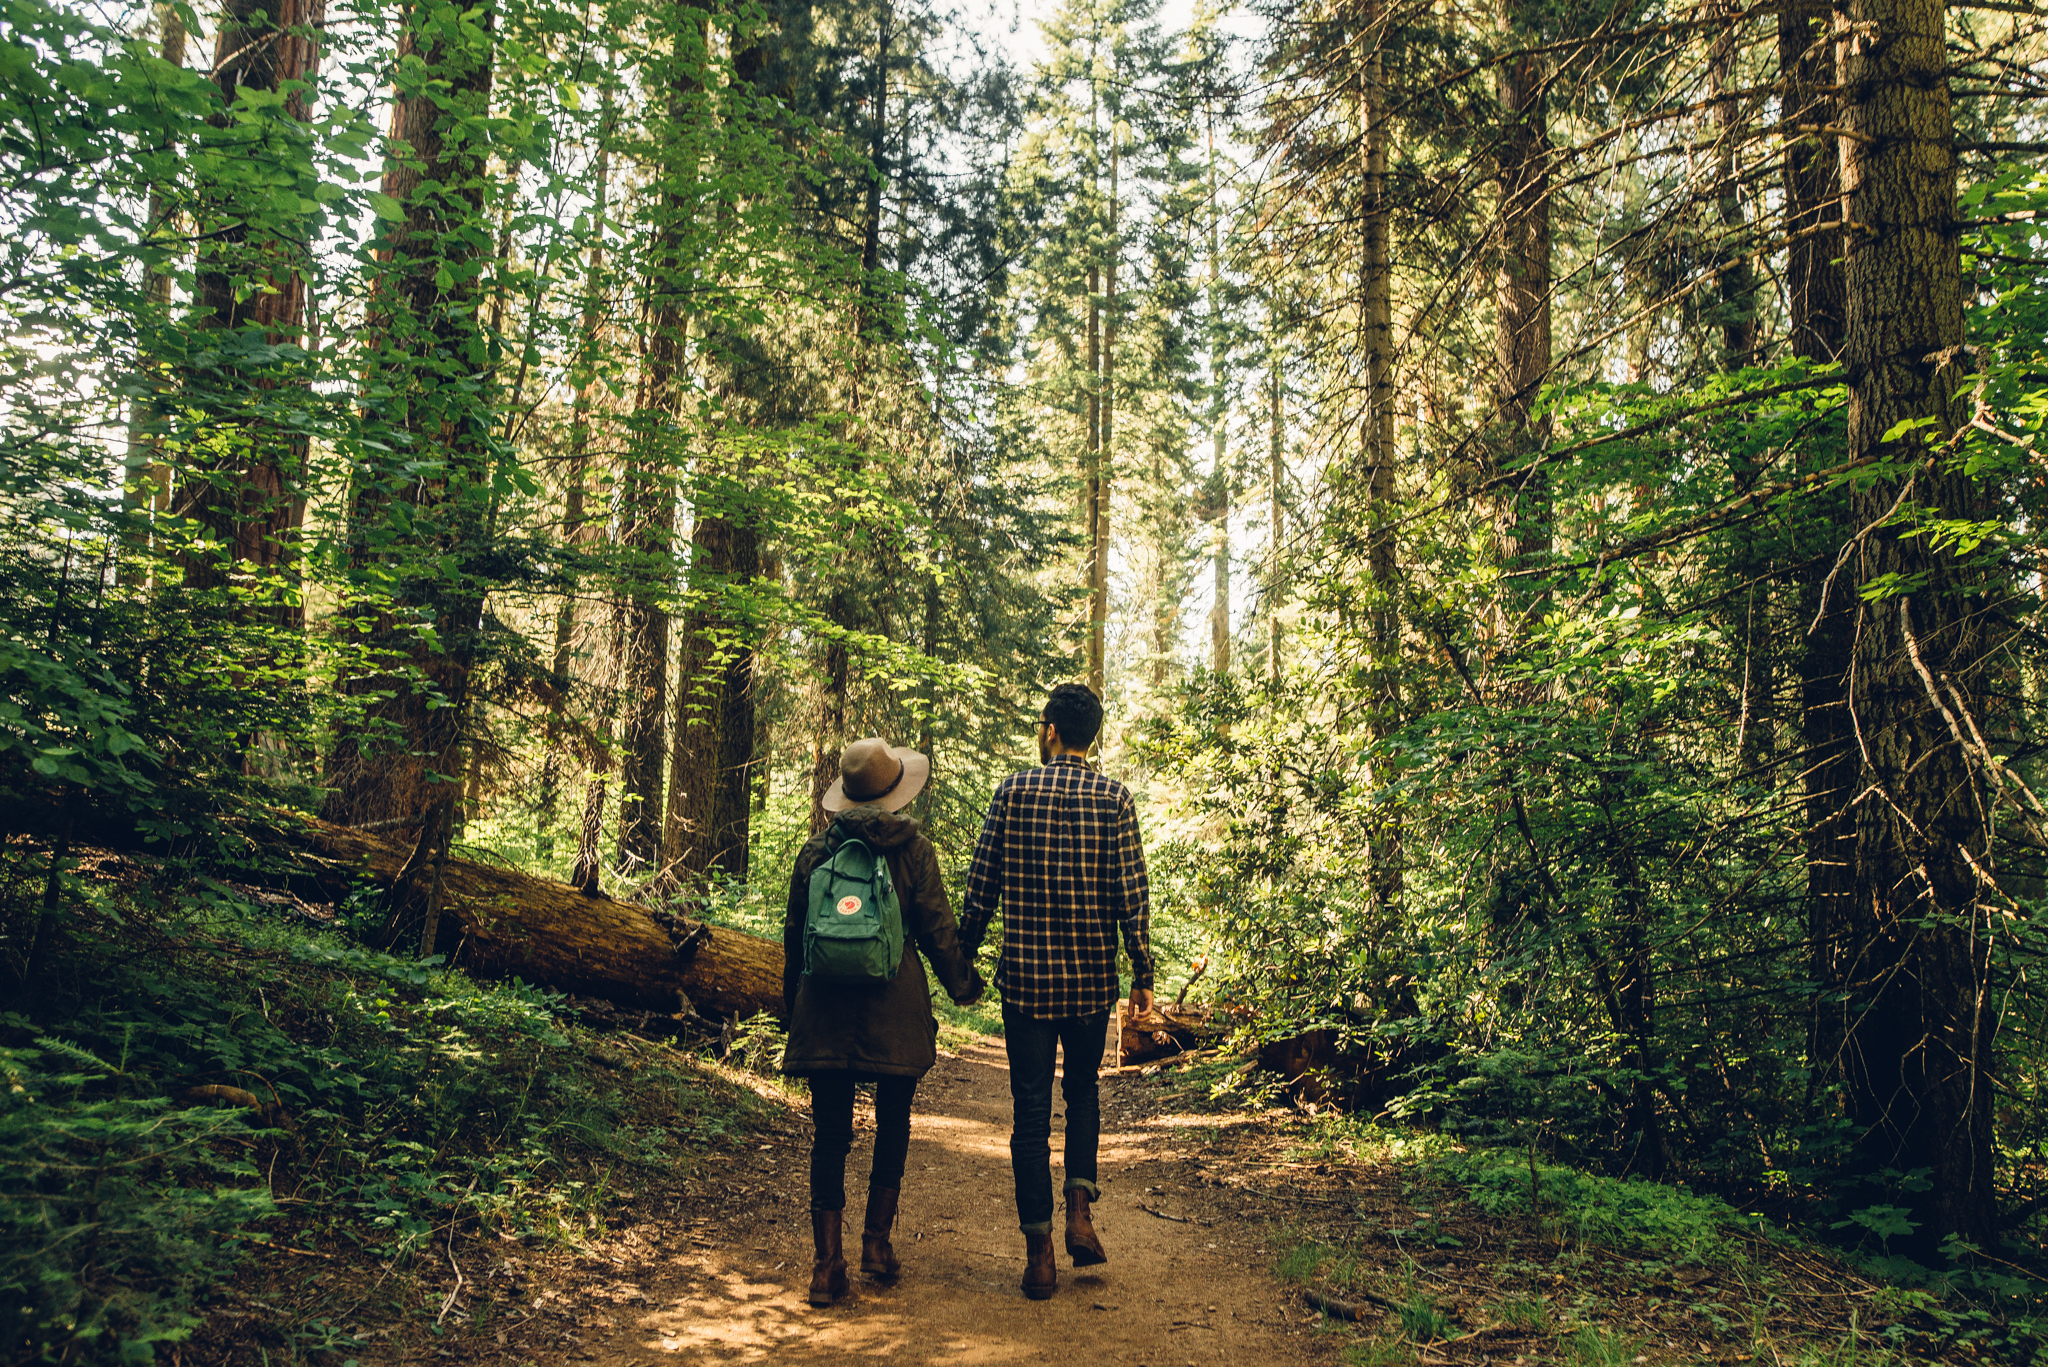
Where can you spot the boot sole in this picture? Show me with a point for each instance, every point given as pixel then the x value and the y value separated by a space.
pixel 1085 1256
pixel 1040 1293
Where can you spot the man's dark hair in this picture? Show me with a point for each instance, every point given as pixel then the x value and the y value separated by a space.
pixel 1076 713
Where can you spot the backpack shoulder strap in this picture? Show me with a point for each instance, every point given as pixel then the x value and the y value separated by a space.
pixel 854 845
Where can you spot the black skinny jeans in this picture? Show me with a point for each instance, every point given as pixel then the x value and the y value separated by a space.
pixel 832 1134
pixel 1030 1043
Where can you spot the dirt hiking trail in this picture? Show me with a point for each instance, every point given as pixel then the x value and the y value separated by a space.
pixel 1187 1280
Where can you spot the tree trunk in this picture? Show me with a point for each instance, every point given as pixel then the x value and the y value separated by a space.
pixel 1091 506
pixel 1748 618
pixel 928 737
pixel 1105 461
pixel 1814 297
pixel 1219 417
pixel 713 754
pixel 1522 331
pixel 643 747
pixel 651 509
pixel 145 475
pixel 588 871
pixel 1385 840
pixel 830 735
pixel 1633 1004
pixel 1911 961
pixel 1812 180
pixel 878 174
pixel 248 508
pixel 1734 270
pixel 575 528
pixel 1165 585
pixel 393 764
pixel 1276 515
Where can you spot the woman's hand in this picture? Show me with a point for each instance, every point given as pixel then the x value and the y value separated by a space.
pixel 974 993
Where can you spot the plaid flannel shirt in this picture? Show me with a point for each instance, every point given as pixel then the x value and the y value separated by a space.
pixel 1060 853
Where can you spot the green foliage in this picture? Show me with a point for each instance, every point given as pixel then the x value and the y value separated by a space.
pixel 1593 1346
pixel 1421 1321
pixel 756 1044
pixel 117 1208
pixel 67 721
pixel 1302 1261
pixel 398 1097
pixel 1523 1311
pixel 1679 1225
pixel 1379 1353
pixel 1598 947
pixel 1852 1351
pixel 359 472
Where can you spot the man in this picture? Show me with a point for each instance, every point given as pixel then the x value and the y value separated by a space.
pixel 1059 854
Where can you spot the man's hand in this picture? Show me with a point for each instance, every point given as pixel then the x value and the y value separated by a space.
pixel 1141 1001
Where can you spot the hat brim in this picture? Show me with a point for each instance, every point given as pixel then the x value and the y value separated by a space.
pixel 917 771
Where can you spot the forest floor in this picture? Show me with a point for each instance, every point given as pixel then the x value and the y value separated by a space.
pixel 482 1174
pixel 1225 1227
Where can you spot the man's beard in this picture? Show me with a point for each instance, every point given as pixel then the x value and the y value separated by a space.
pixel 1044 750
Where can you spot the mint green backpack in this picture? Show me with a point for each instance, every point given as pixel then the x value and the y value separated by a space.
pixel 854 931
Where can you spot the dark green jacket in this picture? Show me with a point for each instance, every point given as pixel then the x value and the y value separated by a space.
pixel 886 1028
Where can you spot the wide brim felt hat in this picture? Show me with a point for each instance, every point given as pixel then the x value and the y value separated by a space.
pixel 874 772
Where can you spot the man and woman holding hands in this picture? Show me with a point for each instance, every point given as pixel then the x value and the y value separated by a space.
pixel 1059 855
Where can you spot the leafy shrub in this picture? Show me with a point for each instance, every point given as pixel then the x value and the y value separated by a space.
pixel 756 1044
pixel 115 1211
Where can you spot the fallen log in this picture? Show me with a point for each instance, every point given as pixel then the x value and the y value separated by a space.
pixel 501 923
pixel 1163 1033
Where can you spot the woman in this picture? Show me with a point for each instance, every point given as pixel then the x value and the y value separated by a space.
pixel 842 1033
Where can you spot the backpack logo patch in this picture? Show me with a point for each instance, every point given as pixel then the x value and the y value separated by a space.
pixel 849 905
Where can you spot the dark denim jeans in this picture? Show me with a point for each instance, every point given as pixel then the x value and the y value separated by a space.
pixel 1030 1044
pixel 832 1134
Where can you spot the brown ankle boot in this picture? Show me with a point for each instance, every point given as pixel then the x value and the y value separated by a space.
pixel 1083 1246
pixel 828 1273
pixel 1041 1273
pixel 877 1255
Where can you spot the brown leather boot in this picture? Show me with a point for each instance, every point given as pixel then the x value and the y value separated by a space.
pixel 1083 1246
pixel 877 1255
pixel 1041 1273
pixel 828 1273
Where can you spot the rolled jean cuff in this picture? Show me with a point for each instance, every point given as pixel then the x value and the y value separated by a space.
pixel 1042 1227
pixel 1083 1184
